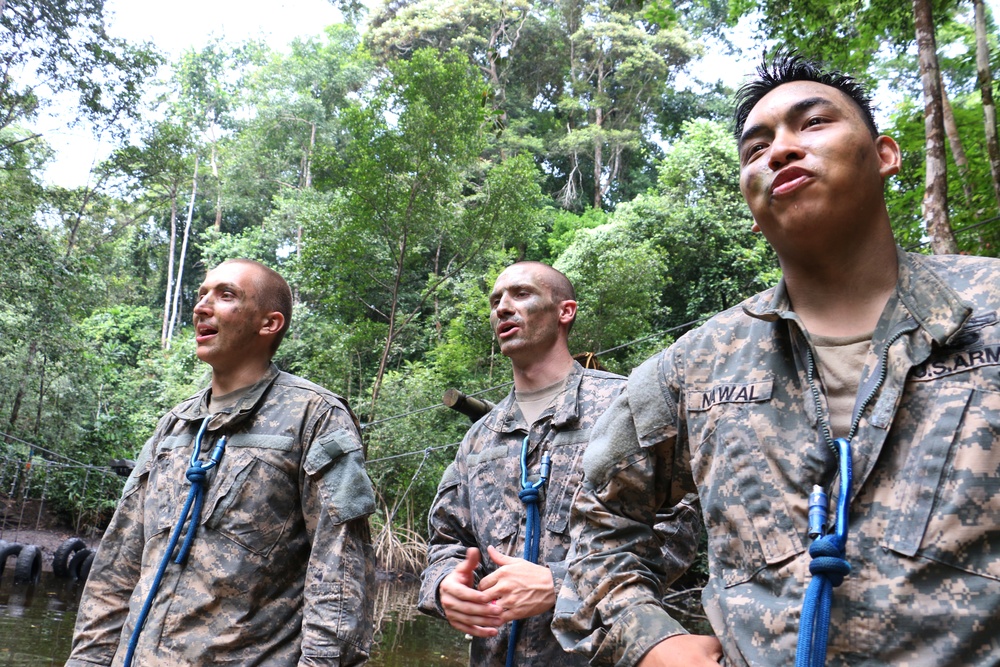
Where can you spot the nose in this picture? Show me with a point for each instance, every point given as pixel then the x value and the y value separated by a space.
pixel 503 305
pixel 203 305
pixel 785 147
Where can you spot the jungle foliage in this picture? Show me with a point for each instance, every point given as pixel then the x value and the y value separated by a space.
pixel 390 171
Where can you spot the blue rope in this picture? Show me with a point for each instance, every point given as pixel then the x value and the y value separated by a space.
pixel 196 474
pixel 829 566
pixel 529 494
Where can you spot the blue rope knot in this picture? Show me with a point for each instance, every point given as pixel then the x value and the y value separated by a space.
pixel 829 566
pixel 196 474
pixel 828 560
pixel 529 495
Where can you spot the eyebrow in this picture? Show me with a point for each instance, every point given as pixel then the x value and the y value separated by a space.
pixel 509 288
pixel 798 108
pixel 219 286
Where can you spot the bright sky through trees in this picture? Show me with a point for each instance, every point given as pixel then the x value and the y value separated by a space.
pixel 174 27
pixel 181 24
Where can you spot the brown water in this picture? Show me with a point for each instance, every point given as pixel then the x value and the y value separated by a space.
pixel 36 626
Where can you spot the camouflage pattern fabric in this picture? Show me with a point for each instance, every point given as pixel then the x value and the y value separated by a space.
pixel 728 411
pixel 477 504
pixel 281 568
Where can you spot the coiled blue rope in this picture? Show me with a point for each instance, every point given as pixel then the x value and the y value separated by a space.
pixel 196 474
pixel 829 566
pixel 529 494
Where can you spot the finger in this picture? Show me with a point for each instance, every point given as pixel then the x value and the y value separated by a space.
pixel 475 615
pixel 488 582
pixel 497 557
pixel 454 588
pixel 474 630
pixel 471 562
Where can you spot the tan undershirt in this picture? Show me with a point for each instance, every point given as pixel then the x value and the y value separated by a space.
pixel 840 360
pixel 217 403
pixel 533 403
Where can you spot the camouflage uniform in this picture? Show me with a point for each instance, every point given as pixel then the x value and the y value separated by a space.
pixel 729 410
pixel 281 568
pixel 477 503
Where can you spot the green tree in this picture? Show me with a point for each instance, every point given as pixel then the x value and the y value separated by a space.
pixel 48 47
pixel 575 83
pixel 416 205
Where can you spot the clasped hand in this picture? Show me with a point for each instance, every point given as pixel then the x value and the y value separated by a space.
pixel 516 589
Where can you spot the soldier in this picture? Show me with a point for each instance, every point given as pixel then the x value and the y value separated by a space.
pixel 477 577
pixel 276 568
pixel 894 353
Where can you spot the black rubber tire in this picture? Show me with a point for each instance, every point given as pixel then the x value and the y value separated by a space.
pixel 85 565
pixel 76 563
pixel 7 550
pixel 60 563
pixel 29 565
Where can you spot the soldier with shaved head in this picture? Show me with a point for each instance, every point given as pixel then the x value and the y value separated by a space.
pixel 273 564
pixel 513 480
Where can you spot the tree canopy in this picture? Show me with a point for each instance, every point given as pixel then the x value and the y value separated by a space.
pixel 390 168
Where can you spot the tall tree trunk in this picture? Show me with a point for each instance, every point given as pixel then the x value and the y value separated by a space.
pixel 180 263
pixel 41 396
pixel 957 151
pixel 390 337
pixel 598 164
pixel 218 191
pixel 164 343
pixel 599 142
pixel 22 385
pixel 986 91
pixel 935 203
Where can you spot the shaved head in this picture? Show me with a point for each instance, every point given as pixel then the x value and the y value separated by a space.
pixel 557 282
pixel 271 293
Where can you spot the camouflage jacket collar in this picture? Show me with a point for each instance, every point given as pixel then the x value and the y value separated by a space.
pixel 506 417
pixel 196 408
pixel 926 298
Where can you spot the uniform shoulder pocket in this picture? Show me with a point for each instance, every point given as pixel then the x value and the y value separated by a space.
pixel 334 462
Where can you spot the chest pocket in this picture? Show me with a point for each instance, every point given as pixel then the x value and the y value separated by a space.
pixel 946 498
pixel 750 525
pixel 494 479
pixel 565 478
pixel 255 491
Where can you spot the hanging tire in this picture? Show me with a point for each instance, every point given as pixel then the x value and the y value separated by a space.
pixel 60 563
pixel 8 549
pixel 28 568
pixel 85 565
pixel 76 564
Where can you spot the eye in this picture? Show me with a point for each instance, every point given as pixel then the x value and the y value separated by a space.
pixel 752 151
pixel 815 120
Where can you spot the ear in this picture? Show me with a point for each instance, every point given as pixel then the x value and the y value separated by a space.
pixel 889 156
pixel 755 228
pixel 272 324
pixel 567 311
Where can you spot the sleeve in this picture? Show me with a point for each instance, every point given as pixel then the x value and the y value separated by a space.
pixel 114 575
pixel 338 497
pixel 451 535
pixel 609 606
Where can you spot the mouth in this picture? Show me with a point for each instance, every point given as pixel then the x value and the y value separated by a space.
pixel 204 332
pixel 506 329
pixel 789 180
